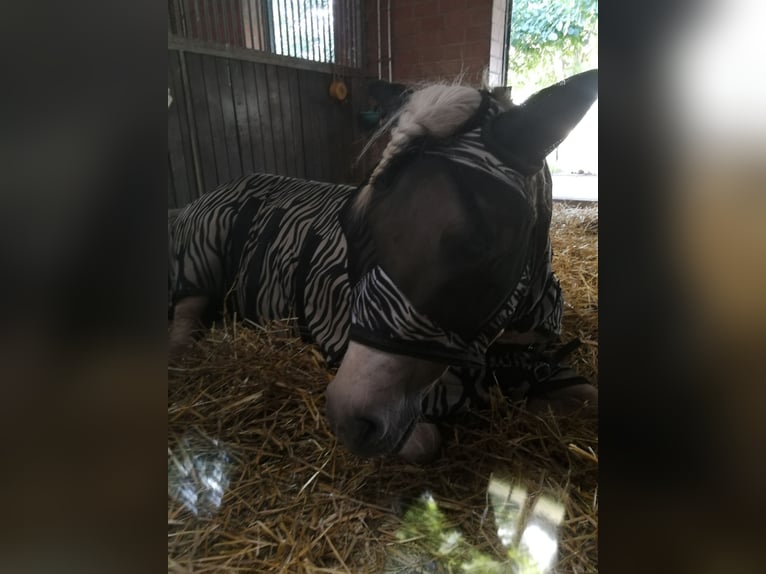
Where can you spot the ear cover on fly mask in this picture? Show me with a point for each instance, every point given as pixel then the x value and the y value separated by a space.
pixel 523 136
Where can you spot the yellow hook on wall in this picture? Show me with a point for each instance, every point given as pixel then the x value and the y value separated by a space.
pixel 338 90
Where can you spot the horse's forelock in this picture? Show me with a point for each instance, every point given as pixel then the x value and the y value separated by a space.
pixel 436 111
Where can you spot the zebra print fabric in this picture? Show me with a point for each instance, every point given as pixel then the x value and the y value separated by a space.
pixel 470 150
pixel 273 248
pixel 382 316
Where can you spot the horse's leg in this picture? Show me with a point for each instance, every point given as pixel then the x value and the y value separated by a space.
pixel 532 371
pixel 423 444
pixel 457 390
pixel 525 362
pixel 445 397
pixel 187 320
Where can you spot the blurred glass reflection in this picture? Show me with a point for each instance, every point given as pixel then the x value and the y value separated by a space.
pixel 540 537
pixel 529 536
pixel 508 504
pixel 198 474
pixel 532 543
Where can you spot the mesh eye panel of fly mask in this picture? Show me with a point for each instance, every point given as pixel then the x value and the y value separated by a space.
pixel 445 252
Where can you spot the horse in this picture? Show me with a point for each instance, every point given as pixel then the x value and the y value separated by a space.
pixel 424 285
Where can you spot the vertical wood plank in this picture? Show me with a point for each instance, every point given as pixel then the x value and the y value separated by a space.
pixel 215 115
pixel 345 135
pixel 298 131
pixel 262 121
pixel 275 119
pixel 202 121
pixel 317 95
pixel 335 122
pixel 286 117
pixel 229 117
pixel 362 103
pixel 323 82
pixel 172 200
pixel 180 157
pixel 309 124
pixel 254 125
pixel 241 114
pixel 359 134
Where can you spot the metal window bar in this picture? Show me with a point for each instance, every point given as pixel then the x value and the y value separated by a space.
pixel 277 18
pixel 319 30
pixel 312 33
pixel 290 32
pixel 284 27
pixel 294 31
pixel 315 31
pixel 273 23
pixel 287 28
pixel 325 35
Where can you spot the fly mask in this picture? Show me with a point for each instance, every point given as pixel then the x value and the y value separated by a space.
pixel 442 256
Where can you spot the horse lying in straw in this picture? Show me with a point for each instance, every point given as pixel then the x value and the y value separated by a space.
pixel 409 281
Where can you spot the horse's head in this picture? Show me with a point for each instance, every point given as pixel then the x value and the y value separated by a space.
pixel 440 241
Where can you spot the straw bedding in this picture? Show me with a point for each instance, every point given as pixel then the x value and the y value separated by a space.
pixel 257 482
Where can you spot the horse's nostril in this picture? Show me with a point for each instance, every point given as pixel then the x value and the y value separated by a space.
pixel 359 434
pixel 364 429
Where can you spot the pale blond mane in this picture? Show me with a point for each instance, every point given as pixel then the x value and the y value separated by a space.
pixel 437 111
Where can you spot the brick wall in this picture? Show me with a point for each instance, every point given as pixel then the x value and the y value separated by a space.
pixel 435 39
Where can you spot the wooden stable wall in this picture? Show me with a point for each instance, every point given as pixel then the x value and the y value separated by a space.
pixel 238 110
pixel 236 113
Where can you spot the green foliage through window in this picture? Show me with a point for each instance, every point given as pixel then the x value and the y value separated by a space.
pixel 550 40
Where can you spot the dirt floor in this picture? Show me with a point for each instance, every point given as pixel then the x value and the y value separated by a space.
pixel 257 483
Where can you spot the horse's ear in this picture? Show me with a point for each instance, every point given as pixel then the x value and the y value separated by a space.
pixel 389 96
pixel 524 135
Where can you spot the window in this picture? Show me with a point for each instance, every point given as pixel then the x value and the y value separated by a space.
pixel 317 30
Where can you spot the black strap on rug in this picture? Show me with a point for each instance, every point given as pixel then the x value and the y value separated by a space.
pixel 300 279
